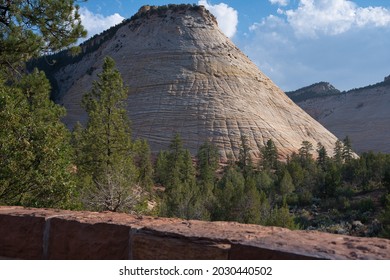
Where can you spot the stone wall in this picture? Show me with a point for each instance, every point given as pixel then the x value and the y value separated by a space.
pixel 27 233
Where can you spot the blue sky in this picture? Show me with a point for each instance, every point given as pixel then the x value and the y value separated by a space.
pixel 294 42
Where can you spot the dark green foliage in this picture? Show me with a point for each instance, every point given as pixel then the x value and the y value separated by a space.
pixel 31 28
pixel 286 185
pixel 142 160
pixel 322 158
pixel 338 152
pixel 269 156
pixel 207 165
pixel 244 157
pixel 108 177
pixel 305 154
pixel 36 158
pixel 182 197
pixel 229 194
pixel 331 181
pixel 281 217
pixel 162 10
pixel 386 178
pixel 347 153
pixel 385 219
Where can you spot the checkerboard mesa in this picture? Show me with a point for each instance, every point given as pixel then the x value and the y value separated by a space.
pixel 185 76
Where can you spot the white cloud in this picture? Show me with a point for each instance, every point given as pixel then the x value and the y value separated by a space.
pixel 279 2
pixel 301 48
pixel 227 16
pixel 333 17
pixel 96 23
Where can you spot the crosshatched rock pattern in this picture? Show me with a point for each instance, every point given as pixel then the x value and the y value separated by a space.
pixel 185 76
pixel 28 233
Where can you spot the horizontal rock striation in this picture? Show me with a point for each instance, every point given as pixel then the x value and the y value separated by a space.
pixel 185 76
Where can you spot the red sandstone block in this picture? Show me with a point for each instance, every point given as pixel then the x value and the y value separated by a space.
pixel 247 252
pixel 72 239
pixel 21 237
pixel 159 246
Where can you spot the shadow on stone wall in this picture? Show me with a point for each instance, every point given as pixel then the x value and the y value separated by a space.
pixel 28 233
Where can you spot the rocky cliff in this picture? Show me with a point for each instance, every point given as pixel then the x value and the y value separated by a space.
pixel 321 89
pixel 363 114
pixel 185 76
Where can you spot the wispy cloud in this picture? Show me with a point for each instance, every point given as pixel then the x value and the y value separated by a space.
pixel 333 17
pixel 96 23
pixel 227 17
pixel 322 40
pixel 279 2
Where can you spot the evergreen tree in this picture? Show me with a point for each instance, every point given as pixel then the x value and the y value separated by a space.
pixel 305 153
pixel 105 157
pixel 161 168
pixel 347 153
pixel 286 185
pixel 281 217
pixel 244 157
pixel 182 197
pixel 207 163
pixel 265 181
pixel 322 158
pixel 250 203
pixel 36 157
pixel 30 28
pixel 332 181
pixel 338 152
pixel 386 179
pixel 269 155
pixel 229 195
pixel 385 218
pixel 142 160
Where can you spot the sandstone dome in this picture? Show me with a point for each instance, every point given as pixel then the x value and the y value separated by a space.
pixel 185 76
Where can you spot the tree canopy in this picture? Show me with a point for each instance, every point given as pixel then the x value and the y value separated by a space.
pixel 108 175
pixel 36 157
pixel 32 27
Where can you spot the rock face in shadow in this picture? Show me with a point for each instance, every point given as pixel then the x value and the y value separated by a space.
pixel 185 76
pixel 362 114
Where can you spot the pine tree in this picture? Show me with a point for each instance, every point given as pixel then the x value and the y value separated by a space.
pixel 142 160
pixel 229 195
pixel 244 157
pixel 207 163
pixel 286 185
pixel 281 217
pixel 347 153
pixel 250 203
pixel 36 157
pixel 105 156
pixel 305 151
pixel 322 158
pixel 338 152
pixel 30 28
pixel 161 168
pixel 182 197
pixel 269 156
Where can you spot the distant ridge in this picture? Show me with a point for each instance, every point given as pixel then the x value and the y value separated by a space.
pixel 321 89
pixel 361 113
